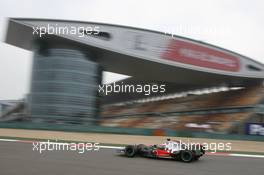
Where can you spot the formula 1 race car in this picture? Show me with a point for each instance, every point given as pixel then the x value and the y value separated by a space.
pixel 171 149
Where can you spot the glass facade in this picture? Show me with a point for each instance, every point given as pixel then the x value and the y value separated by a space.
pixel 64 86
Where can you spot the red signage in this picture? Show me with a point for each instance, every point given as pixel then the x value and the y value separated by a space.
pixel 198 55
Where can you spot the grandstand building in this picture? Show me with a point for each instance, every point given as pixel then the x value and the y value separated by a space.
pixel 208 88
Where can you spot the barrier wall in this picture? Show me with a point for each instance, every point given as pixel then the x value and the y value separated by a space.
pixel 130 131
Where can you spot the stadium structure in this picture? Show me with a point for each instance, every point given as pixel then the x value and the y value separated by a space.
pixel 208 88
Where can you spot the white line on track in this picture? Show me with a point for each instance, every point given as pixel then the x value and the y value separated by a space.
pixel 9 140
pixel 247 155
pixel 119 147
pixel 112 147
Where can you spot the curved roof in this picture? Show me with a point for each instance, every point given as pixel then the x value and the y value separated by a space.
pixel 146 54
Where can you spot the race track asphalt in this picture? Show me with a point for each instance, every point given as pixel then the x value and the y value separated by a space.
pixel 20 159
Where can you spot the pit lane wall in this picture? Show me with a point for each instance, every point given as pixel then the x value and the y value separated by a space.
pixel 127 131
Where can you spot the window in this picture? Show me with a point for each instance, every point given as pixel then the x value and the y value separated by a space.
pixel 253 68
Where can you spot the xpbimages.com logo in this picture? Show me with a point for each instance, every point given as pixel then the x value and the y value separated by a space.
pixel 56 29
pixel 58 146
pixel 146 89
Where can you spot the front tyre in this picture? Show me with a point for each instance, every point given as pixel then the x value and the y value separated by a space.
pixel 186 156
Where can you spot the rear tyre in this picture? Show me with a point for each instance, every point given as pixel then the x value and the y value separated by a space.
pixel 196 158
pixel 130 151
pixel 141 148
pixel 186 156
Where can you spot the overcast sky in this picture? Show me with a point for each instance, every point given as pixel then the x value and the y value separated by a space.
pixel 237 25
